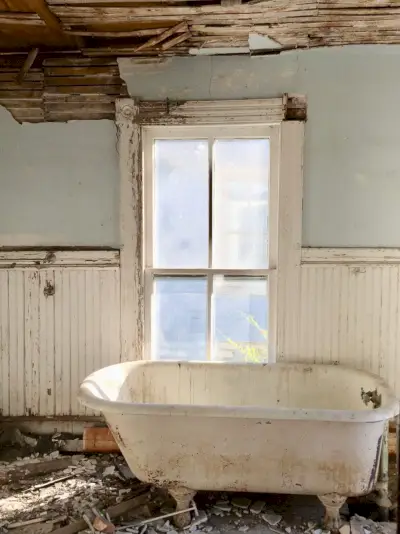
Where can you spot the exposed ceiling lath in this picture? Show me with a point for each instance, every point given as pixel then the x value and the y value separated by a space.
pixel 83 38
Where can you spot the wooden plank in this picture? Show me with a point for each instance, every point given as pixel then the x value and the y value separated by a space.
pixel 32 55
pixel 81 100
pixel 125 13
pixel 26 114
pixel 74 342
pixel 176 40
pixel 11 76
pixel 5 356
pixel 14 94
pixel 79 115
pixel 351 255
pixel 21 103
pixel 163 36
pixel 58 337
pixel 131 229
pixel 24 86
pixel 79 107
pixel 58 258
pixel 13 18
pixel 83 89
pixel 260 16
pixel 52 21
pixel 16 330
pixel 83 80
pixel 80 358
pixel 44 12
pixel 46 364
pixel 116 34
pixel 33 469
pixel 79 62
pixel 227 3
pixel 289 239
pixel 117 510
pixel 81 71
pixel 211 111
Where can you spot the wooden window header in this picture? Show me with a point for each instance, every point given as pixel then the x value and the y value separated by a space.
pixel 209 112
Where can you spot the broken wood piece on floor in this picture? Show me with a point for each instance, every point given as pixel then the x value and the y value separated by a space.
pixel 182 26
pixel 101 524
pixel 99 439
pixel 49 483
pixel 165 516
pixel 20 524
pixel 86 519
pixel 113 511
pixel 32 469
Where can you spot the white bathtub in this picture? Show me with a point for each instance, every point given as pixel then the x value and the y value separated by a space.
pixel 280 428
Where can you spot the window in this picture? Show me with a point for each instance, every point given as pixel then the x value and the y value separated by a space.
pixel 210 241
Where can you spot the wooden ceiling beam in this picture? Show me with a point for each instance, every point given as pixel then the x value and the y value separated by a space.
pixel 30 58
pixel 53 22
pixel 44 12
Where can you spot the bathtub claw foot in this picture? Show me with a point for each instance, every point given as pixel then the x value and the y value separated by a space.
pixel 332 504
pixel 183 498
pixel 382 501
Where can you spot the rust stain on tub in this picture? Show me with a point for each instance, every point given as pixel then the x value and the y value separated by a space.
pixel 374 469
pixel 118 437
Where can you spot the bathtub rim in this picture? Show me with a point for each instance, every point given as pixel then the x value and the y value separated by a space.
pixel 87 398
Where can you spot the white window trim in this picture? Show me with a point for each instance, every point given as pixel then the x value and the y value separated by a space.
pixel 210 132
pixel 131 117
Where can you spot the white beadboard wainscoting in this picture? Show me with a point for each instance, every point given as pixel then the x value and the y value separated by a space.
pixel 350 309
pixel 50 342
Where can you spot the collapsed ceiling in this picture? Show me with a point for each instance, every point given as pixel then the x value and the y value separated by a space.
pixel 58 58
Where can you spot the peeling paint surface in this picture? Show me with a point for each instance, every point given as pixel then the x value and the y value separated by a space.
pixel 48 343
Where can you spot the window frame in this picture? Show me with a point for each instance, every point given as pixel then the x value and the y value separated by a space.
pixel 210 133
pixel 131 116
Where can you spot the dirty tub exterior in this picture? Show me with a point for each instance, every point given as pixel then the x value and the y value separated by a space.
pixel 278 428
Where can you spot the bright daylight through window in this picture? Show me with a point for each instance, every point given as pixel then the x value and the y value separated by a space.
pixel 209 242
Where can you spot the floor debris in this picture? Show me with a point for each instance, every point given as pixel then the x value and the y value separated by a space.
pixel 272 519
pixel 98 494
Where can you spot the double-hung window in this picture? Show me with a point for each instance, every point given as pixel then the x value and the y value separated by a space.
pixel 210 241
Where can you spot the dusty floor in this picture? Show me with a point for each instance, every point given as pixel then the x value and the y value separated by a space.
pixel 76 488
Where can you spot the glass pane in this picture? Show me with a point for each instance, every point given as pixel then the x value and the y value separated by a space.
pixel 179 319
pixel 240 319
pixel 240 203
pixel 180 203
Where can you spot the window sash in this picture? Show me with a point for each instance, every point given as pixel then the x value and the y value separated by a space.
pixel 210 133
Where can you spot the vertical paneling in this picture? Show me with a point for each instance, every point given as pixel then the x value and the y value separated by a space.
pixel 16 314
pixel 50 342
pixel 5 363
pixel 32 340
pixel 350 314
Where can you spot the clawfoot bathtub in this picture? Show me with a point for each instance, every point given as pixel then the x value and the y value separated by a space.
pixel 279 428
